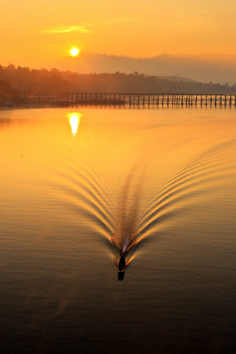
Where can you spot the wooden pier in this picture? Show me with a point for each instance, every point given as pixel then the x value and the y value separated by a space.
pixel 131 99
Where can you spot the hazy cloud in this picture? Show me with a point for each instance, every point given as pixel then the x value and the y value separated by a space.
pixel 67 29
pixel 86 28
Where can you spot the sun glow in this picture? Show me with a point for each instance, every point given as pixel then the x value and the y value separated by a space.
pixel 74 121
pixel 74 51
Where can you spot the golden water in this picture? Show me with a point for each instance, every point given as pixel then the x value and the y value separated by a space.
pixel 79 187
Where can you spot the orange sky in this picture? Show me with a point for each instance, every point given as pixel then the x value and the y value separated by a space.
pixel 42 31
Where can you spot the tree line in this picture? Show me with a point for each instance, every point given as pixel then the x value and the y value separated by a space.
pixel 7 94
pixel 13 79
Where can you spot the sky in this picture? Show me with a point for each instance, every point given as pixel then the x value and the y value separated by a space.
pixel 45 30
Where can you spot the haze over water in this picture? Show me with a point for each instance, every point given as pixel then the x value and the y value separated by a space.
pixel 80 186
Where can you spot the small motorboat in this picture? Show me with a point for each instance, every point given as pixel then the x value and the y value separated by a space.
pixel 121 268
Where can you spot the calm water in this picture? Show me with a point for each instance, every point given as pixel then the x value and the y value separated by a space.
pixel 79 187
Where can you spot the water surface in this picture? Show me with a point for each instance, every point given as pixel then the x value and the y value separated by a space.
pixel 81 186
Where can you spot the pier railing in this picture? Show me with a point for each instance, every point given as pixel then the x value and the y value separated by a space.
pixel 132 99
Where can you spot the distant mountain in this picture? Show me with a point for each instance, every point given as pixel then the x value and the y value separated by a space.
pixel 203 67
pixel 211 57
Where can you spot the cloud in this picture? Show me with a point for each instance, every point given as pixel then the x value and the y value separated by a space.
pixel 86 27
pixel 67 29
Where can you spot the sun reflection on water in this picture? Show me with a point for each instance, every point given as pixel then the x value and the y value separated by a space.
pixel 74 121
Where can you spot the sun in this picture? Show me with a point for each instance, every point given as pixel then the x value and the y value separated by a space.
pixel 74 52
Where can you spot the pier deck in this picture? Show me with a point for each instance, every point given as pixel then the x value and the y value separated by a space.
pixel 132 99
